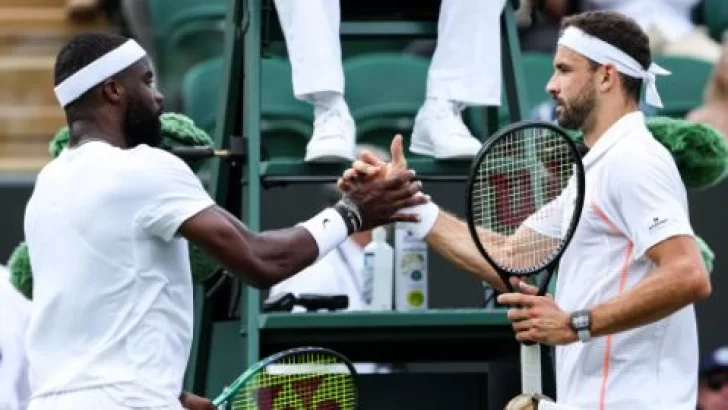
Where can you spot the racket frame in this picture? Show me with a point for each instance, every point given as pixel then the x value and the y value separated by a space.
pixel 530 352
pixel 504 274
pixel 232 390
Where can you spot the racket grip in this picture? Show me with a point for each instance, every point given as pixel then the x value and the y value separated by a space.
pixel 531 369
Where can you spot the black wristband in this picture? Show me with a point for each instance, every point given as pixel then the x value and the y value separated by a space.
pixel 350 214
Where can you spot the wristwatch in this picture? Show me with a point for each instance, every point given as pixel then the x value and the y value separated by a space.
pixel 581 322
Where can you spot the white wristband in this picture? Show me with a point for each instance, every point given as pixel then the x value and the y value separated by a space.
pixel 428 215
pixel 328 230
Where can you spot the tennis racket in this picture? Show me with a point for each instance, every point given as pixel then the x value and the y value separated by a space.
pixel 525 196
pixel 305 378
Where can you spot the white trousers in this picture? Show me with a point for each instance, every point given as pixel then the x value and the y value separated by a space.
pixel 90 399
pixel 466 66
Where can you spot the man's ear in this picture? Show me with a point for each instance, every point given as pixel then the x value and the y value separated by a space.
pixel 112 91
pixel 607 77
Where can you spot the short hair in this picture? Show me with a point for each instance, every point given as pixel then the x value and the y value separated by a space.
pixel 80 51
pixel 621 32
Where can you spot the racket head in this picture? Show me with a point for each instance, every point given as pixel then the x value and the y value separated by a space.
pixel 520 170
pixel 304 377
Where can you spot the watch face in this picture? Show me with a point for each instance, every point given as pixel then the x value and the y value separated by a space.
pixel 580 321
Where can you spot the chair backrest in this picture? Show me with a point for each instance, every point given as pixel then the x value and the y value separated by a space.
pixel 715 17
pixel 165 15
pixel 385 84
pixel 683 90
pixel 276 89
pixel 200 92
pixel 281 112
pixel 537 70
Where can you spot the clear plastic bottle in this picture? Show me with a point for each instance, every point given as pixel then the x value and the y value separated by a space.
pixel 378 271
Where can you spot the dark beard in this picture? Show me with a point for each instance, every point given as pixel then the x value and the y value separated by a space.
pixel 575 113
pixel 142 125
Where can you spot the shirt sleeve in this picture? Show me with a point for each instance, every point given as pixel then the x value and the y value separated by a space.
pixel 648 200
pixel 173 194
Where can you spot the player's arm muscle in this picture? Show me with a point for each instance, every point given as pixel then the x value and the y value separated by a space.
pixel 262 259
pixel 450 238
pixel 678 279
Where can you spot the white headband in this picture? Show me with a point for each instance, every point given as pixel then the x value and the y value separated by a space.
pixel 99 70
pixel 603 53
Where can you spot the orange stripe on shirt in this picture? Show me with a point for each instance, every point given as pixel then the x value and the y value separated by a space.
pixel 622 282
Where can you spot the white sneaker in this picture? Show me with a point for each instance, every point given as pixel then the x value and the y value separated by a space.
pixel 333 139
pixel 439 132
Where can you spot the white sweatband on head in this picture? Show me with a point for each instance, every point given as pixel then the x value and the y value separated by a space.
pixel 99 70
pixel 428 215
pixel 603 53
pixel 328 230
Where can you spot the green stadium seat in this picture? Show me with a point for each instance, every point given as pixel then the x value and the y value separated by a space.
pixel 715 17
pixel 683 90
pixel 286 123
pixel 185 32
pixel 384 92
pixel 200 93
pixel 537 70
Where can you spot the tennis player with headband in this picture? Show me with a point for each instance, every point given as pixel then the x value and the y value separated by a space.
pixel 106 228
pixel 623 320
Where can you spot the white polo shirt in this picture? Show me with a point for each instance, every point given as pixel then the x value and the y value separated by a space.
pixel 635 198
pixel 112 296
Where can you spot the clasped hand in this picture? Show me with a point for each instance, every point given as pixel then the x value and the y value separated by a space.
pixel 536 318
pixel 382 189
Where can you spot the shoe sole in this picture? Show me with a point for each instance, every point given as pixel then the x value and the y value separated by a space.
pixel 328 156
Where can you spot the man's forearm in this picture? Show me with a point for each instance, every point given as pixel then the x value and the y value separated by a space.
pixel 664 291
pixel 279 253
pixel 451 238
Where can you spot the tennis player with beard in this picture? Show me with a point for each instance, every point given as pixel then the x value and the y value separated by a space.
pixel 106 228
pixel 623 321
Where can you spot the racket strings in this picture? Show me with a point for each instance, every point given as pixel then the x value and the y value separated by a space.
pixel 304 381
pixel 520 179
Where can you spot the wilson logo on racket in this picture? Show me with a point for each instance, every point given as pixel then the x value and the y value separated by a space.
pixel 507 188
pixel 304 390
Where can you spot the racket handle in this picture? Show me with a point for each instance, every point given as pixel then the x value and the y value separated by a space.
pixel 531 369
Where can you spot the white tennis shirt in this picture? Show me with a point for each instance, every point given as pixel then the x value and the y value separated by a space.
pixel 112 299
pixel 635 198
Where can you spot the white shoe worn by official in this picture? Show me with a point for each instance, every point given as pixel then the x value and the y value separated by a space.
pixel 439 132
